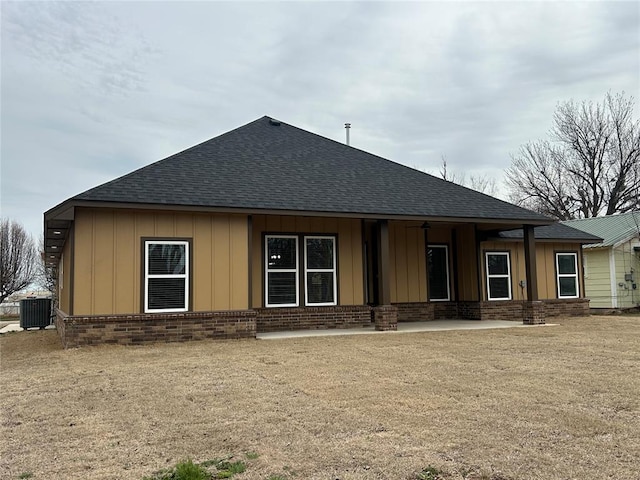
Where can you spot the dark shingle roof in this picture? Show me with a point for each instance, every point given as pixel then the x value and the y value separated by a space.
pixel 555 231
pixel 264 166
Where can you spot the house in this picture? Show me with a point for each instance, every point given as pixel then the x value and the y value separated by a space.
pixel 270 227
pixel 612 266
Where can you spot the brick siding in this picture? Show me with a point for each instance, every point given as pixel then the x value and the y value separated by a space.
pixel 415 311
pixel 385 317
pixel 566 307
pixel 533 313
pixel 76 331
pixel 312 318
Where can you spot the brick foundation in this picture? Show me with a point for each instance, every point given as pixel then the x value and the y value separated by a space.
pixel 76 331
pixel 569 307
pixel 415 312
pixel 445 310
pixel 312 318
pixel 514 309
pixel 385 317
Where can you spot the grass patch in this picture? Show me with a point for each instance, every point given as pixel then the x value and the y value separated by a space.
pixel 518 403
pixel 26 475
pixel 430 473
pixel 207 470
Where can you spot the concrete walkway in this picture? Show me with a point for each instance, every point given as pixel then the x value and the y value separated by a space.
pixel 7 327
pixel 403 327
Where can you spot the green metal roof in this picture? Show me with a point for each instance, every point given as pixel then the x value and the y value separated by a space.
pixel 613 229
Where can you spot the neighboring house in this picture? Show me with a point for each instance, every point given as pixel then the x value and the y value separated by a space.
pixel 612 267
pixel 270 227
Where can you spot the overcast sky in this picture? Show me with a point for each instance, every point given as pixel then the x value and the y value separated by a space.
pixel 91 91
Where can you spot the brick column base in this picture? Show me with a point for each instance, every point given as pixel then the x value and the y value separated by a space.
pixel 385 317
pixel 533 313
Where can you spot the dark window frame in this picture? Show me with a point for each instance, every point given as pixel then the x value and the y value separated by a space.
pixel 448 263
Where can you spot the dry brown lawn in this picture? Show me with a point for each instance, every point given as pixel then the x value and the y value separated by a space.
pixel 554 402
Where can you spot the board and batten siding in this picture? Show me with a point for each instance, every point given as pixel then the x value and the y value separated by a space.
pixel 408 267
pixel 545 267
pixel 349 244
pixel 597 277
pixel 109 268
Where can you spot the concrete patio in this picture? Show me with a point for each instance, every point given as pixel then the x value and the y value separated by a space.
pixel 403 327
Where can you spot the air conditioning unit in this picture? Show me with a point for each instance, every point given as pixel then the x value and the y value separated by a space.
pixel 35 312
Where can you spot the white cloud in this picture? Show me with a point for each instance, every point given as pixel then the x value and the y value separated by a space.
pixel 91 91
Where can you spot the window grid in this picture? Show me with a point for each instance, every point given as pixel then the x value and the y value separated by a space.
pixel 574 276
pixel 149 276
pixel 498 275
pixel 320 270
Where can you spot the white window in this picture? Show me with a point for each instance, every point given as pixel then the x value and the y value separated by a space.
pixel 281 271
pixel 166 276
pixel 498 275
pixel 567 275
pixel 320 271
pixel 438 268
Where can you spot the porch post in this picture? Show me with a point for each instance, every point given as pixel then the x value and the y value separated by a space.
pixel 385 315
pixel 533 308
pixel 384 284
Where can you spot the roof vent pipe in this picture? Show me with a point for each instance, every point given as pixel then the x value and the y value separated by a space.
pixel 347 127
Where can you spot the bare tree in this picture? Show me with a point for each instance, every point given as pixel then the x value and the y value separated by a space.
pixel 47 274
pixel 590 165
pixel 18 258
pixel 480 183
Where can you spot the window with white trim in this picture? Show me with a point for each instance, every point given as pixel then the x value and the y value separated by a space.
pixel 281 271
pixel 283 282
pixel 166 276
pixel 567 275
pixel 438 269
pixel 320 271
pixel 498 267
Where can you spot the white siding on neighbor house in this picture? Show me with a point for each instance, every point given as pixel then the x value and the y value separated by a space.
pixel 597 278
pixel 626 261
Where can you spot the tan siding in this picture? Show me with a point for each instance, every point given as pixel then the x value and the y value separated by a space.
pixel 545 266
pixel 83 263
pixel 203 252
pixel 413 271
pixel 239 262
pixel 393 246
pixel 108 265
pixel 467 263
pixel 349 244
pixel 221 273
pixel 345 262
pixel 126 272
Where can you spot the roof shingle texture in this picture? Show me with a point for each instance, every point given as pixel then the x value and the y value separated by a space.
pixel 555 231
pixel 264 166
pixel 612 229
